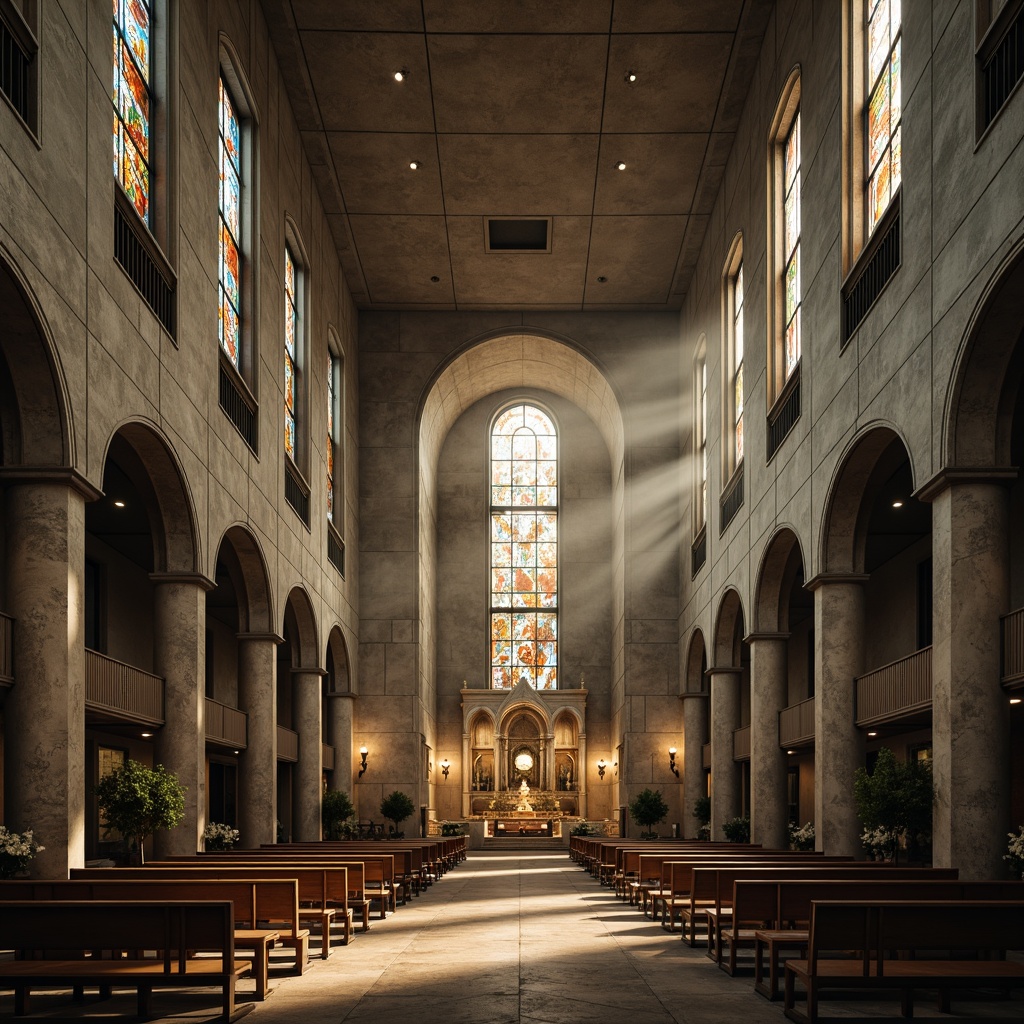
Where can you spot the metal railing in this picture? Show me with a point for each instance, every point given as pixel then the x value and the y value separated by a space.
pixel 123 691
pixel 1001 63
pixel 1013 646
pixel 895 690
pixel 6 648
pixel 226 725
pixel 741 744
pixel 327 757
pixel 287 744
pixel 796 724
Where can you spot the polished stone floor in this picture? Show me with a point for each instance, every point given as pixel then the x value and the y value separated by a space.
pixel 513 937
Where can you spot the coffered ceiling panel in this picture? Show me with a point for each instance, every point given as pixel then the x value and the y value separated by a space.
pixel 517 110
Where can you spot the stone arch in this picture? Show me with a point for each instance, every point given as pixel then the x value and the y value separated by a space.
pixel 782 560
pixel 340 678
pixel 242 557
pixel 35 417
pixel 299 615
pixel 987 374
pixel 149 461
pixel 482 719
pixel 862 470
pixel 694 679
pixel 729 630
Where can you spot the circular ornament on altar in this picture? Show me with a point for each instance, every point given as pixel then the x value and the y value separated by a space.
pixel 523 761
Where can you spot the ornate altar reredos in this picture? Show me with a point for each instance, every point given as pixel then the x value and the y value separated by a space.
pixel 524 735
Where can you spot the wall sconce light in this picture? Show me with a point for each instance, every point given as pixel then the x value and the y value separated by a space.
pixel 602 764
pixel 445 766
pixel 672 761
pixel 362 762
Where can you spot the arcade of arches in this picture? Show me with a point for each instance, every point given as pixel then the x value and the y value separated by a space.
pixel 173 589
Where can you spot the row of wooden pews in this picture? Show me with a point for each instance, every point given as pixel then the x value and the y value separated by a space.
pixel 267 897
pixel 842 923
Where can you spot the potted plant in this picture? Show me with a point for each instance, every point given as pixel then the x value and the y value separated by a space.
pixel 801 837
pixel 648 809
pixel 217 836
pixel 737 830
pixel 397 807
pixel 453 828
pixel 336 808
pixel 894 803
pixel 702 812
pixel 136 801
pixel 1015 852
pixel 16 850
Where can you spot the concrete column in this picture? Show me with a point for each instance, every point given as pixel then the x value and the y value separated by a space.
pixel 257 764
pixel 44 712
pixel 838 743
pixel 179 656
pixel 339 732
pixel 308 773
pixel 769 819
pixel 970 711
pixel 467 775
pixel 725 771
pixel 581 775
pixel 695 718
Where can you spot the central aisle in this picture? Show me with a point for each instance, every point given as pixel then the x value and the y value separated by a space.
pixel 513 937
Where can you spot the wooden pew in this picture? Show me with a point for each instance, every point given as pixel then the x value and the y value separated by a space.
pixel 39 930
pixel 793 908
pixel 320 886
pixel 268 900
pixel 889 938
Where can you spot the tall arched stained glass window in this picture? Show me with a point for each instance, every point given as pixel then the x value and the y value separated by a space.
pixel 132 96
pixel 524 549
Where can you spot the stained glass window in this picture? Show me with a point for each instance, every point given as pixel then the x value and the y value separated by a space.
pixel 291 360
pixel 132 98
pixel 702 428
pixel 883 112
pixel 737 362
pixel 524 549
pixel 332 392
pixel 791 244
pixel 229 287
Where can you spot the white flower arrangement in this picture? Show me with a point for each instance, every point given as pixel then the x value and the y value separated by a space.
pixel 219 837
pixel 1015 854
pixel 801 837
pixel 880 842
pixel 16 850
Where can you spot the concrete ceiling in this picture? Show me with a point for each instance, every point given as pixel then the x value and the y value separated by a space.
pixel 518 109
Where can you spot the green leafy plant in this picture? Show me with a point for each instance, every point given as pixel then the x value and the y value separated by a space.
pixel 335 810
pixel 16 850
pixel 581 828
pixel 737 830
pixel 648 809
pixel 137 801
pixel 219 837
pixel 1014 855
pixel 396 807
pixel 702 810
pixel 453 828
pixel 894 802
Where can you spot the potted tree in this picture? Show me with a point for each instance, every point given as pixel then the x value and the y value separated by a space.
pixel 397 807
pixel 702 812
pixel 647 809
pixel 336 809
pixel 894 803
pixel 136 801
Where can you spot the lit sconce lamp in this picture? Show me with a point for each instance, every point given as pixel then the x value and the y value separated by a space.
pixel 1015 700
pixel 445 766
pixel 672 761
pixel 362 763
pixel 602 764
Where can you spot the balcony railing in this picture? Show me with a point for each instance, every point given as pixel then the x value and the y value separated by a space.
pixel 287 744
pixel 897 690
pixel 327 757
pixel 741 744
pixel 122 691
pixel 1013 647
pixel 6 649
pixel 226 725
pixel 707 755
pixel 796 724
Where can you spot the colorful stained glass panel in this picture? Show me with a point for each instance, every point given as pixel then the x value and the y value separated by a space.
pixel 792 286
pixel 878 38
pixel 792 345
pixel 878 121
pixel 132 100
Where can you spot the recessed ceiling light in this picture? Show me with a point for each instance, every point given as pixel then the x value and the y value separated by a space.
pixel 602 279
pixel 400 75
pixel 435 279
pixel 897 504
pixel 414 165
pixel 1015 700
pixel 872 734
pixel 147 735
pixel 620 166
pixel 790 751
pixel 631 77
pixel 119 503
